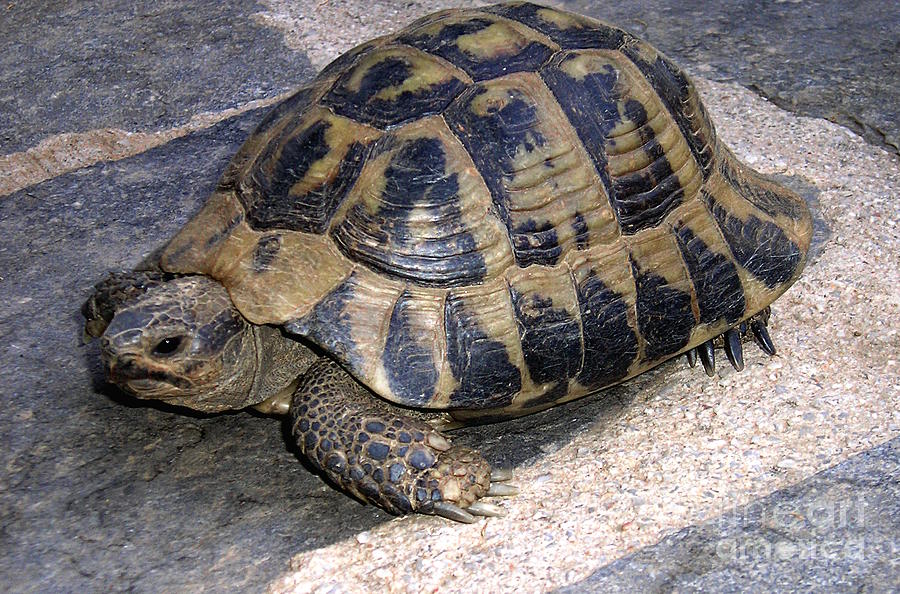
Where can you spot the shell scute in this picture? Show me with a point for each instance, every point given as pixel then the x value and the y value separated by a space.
pixel 605 292
pixel 651 172
pixel 301 177
pixel 540 178
pixel 664 307
pixel 717 284
pixel 394 84
pixel 421 213
pixel 548 322
pixel 483 350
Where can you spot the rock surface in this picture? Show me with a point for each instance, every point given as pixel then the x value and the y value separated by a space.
pixel 836 532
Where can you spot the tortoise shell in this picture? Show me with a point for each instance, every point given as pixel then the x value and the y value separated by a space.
pixel 496 208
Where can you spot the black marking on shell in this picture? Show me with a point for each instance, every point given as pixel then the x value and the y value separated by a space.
pixel 759 246
pixel 643 198
pixel 673 88
pixel 610 343
pixel 493 141
pixel 365 106
pixel 269 202
pixel 537 243
pixel 266 250
pixel 582 234
pixel 415 180
pixel 481 366
pixel 664 314
pixel 550 337
pixel 587 35
pixel 218 235
pixel 749 184
pixel 328 325
pixel 445 45
pixel 720 295
pixel 408 360
pixel 591 105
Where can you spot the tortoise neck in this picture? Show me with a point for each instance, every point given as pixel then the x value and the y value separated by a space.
pixel 280 361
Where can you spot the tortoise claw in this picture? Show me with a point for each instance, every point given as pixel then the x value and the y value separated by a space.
pixel 733 349
pixel 501 490
pixel 500 475
pixel 692 358
pixel 761 334
pixel 489 510
pixel 453 512
pixel 708 357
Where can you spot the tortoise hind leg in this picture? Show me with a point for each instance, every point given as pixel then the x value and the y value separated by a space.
pixel 383 456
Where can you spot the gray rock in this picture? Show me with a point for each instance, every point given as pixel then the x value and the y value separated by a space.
pixel 70 67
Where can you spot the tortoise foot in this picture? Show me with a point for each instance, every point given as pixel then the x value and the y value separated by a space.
pixel 454 486
pixel 732 342
pixel 385 457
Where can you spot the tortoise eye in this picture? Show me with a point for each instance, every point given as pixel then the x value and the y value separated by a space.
pixel 167 346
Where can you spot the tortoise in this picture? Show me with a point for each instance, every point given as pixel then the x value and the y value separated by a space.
pixel 490 212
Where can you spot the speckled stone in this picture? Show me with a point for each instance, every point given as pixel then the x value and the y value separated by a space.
pixel 837 531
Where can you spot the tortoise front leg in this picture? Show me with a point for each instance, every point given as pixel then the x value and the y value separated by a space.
pixel 383 456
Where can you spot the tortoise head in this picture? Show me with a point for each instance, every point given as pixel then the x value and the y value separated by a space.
pixel 183 342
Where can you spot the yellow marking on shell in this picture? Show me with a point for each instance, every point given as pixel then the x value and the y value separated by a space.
pixel 340 134
pixel 555 179
pixel 219 243
pixel 425 71
pixel 498 39
pixel 579 64
pixel 368 315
